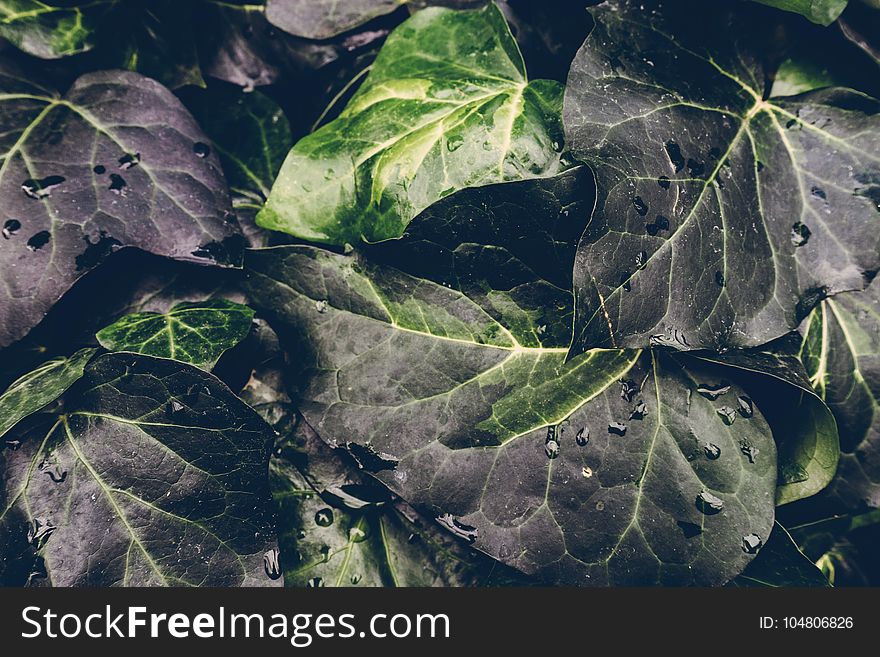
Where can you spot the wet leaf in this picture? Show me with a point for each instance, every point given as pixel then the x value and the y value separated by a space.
pixel 156 474
pixel 408 368
pixel 40 387
pixel 446 105
pixel 50 30
pixel 195 333
pixel 722 217
pixel 108 165
pixel 823 12
pixel 781 564
pixel 841 351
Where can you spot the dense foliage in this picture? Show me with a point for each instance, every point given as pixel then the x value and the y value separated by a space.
pixel 439 293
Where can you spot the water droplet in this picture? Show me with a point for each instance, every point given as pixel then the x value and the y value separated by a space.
pixel 689 529
pixel 727 414
pixel 454 142
pixel 791 123
pixel 357 535
pixel 457 527
pixel 10 227
pixel 201 149
pixel 12 444
pixel 695 168
pixel 42 187
pixel 271 564
pixel 315 583
pixel 628 389
pixel 639 412
pixel 173 407
pixel 640 206
pixel 100 169
pixel 712 451
pixel 641 259
pixel 39 240
pixel 675 157
pixel 355 579
pixel 719 279
pixel 660 223
pixel 749 450
pixel 617 428
pixel 582 437
pixel 744 406
pixel 322 305
pixel 117 184
pixel 129 160
pixel 752 543
pixel 600 505
pixel 39 531
pixel 818 192
pixel 760 166
pixel 709 503
pixel 663 181
pixel 713 391
pixel 328 174
pixel 587 472
pixel 551 449
pixel 800 234
pixel 53 471
pixel 324 517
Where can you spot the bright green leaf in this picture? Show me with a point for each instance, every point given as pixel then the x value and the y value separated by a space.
pixel 196 333
pixel 40 387
pixel 446 105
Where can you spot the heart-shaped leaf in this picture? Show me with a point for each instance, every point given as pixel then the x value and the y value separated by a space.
pixel 195 333
pixel 722 217
pixel 116 162
pixel 156 474
pixel 781 564
pixel 41 387
pixel 318 19
pixel 446 105
pixel 518 449
pixel 841 351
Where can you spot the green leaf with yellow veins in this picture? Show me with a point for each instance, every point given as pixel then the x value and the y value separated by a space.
pixel 841 351
pixel 51 30
pixel 606 468
pixel 196 333
pixel 41 387
pixel 447 105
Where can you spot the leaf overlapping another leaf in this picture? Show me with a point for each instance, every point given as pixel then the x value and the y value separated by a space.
pixel 401 366
pixel 446 105
pixel 111 164
pixel 722 218
pixel 156 474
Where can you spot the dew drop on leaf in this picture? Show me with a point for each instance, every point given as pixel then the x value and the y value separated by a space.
pixel 628 389
pixel 324 517
pixel 321 306
pixel 727 414
pixel 712 391
pixel 745 406
pixel 639 412
pixel 617 428
pixel 641 259
pixel 800 234
pixel 454 142
pixel 709 503
pixel 712 451
pixel 663 181
pixel 719 279
pixel 271 564
pixel 587 472
pixel 315 583
pixel 129 160
pixel 357 535
pixel 42 187
pixel 640 206
pixel 201 149
pixel 99 169
pixel 39 240
pixel 11 227
pixel 582 437
pixel 751 543
pixel 117 184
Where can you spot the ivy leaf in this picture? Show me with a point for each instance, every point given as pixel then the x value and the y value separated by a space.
pixel 803 426
pixel 841 351
pixel 195 333
pixel 781 564
pixel 51 30
pixel 823 12
pixel 510 247
pixel 156 474
pixel 722 218
pixel 114 163
pixel 592 470
pixel 41 387
pixel 318 19
pixel 445 106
